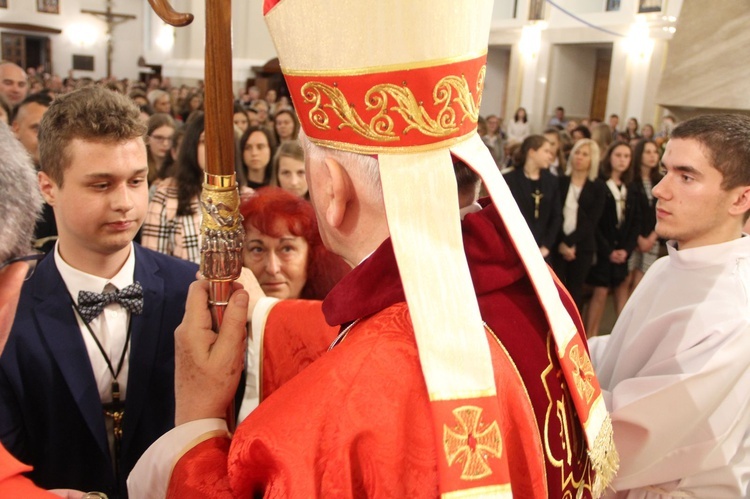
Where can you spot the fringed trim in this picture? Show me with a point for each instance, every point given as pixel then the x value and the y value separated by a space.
pixel 604 458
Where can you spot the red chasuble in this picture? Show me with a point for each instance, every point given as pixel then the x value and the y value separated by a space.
pixel 356 422
pixel 13 483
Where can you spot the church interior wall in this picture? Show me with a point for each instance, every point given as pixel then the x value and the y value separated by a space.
pixel 572 75
pixel 557 71
pixel 543 84
pixel 83 34
pixel 496 81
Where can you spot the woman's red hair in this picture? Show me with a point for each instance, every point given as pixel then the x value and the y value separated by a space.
pixel 273 211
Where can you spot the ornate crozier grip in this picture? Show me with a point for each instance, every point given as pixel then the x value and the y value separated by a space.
pixel 222 237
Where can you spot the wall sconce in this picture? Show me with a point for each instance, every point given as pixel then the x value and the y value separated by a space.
pixel 165 39
pixel 82 35
pixel 639 42
pixel 669 27
pixel 531 39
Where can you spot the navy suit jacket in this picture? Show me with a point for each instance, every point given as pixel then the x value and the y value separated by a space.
pixel 50 410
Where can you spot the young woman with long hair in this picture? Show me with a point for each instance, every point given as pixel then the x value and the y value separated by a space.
pixel 536 191
pixel 646 169
pixel 172 224
pixel 257 147
pixel 159 139
pixel 616 235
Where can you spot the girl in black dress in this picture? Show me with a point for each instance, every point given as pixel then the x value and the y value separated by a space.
pixel 616 235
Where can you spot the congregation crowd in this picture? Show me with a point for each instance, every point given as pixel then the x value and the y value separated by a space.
pixel 268 154
pixel 599 245
pixel 584 187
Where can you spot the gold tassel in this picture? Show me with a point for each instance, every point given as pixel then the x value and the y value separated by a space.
pixel 604 458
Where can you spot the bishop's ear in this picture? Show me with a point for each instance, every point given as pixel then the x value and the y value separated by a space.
pixel 339 192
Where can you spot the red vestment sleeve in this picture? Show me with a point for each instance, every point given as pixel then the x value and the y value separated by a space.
pixel 13 483
pixel 202 472
pixel 296 334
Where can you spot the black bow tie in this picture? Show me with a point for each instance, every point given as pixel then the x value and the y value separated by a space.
pixel 90 305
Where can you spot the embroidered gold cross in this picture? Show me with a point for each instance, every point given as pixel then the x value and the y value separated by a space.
pixel 537 195
pixel 472 443
pixel 583 373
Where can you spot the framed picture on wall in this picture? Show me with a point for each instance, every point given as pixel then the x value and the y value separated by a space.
pixel 649 6
pixel 48 6
pixel 3 4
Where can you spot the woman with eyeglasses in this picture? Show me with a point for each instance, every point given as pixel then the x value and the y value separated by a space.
pixel 161 129
pixel 173 220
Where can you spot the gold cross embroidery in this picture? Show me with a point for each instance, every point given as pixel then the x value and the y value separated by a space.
pixel 472 442
pixel 583 373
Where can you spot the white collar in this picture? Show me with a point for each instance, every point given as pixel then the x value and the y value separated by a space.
pixel 712 254
pixel 77 280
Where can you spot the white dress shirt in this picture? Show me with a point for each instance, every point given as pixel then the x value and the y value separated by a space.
pixel 110 327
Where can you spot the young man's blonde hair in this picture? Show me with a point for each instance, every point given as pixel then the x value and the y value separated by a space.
pixel 92 114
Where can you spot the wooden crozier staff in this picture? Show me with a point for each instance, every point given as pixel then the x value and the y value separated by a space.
pixel 222 233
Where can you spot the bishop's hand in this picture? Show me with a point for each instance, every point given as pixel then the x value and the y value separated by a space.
pixel 208 365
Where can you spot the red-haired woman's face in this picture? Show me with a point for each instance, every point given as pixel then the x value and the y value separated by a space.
pixel 279 263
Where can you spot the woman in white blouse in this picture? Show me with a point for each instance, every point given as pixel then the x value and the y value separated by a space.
pixel 518 129
pixel 582 196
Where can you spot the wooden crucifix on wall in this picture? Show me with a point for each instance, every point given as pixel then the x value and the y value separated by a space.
pixel 112 19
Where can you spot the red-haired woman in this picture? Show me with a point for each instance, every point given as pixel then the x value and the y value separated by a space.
pixel 283 247
pixel 285 253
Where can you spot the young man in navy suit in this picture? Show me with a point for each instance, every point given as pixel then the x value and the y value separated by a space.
pixel 87 378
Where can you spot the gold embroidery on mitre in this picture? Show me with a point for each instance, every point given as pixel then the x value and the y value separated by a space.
pixel 584 372
pixel 472 443
pixel 381 127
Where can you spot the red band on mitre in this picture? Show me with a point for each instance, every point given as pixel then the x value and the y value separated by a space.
pixel 392 110
pixel 268 5
pixel 471 451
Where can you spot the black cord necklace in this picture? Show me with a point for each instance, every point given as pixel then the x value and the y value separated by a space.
pixel 116 408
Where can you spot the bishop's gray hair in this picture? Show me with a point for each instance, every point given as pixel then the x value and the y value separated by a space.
pixel 366 168
pixel 20 199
